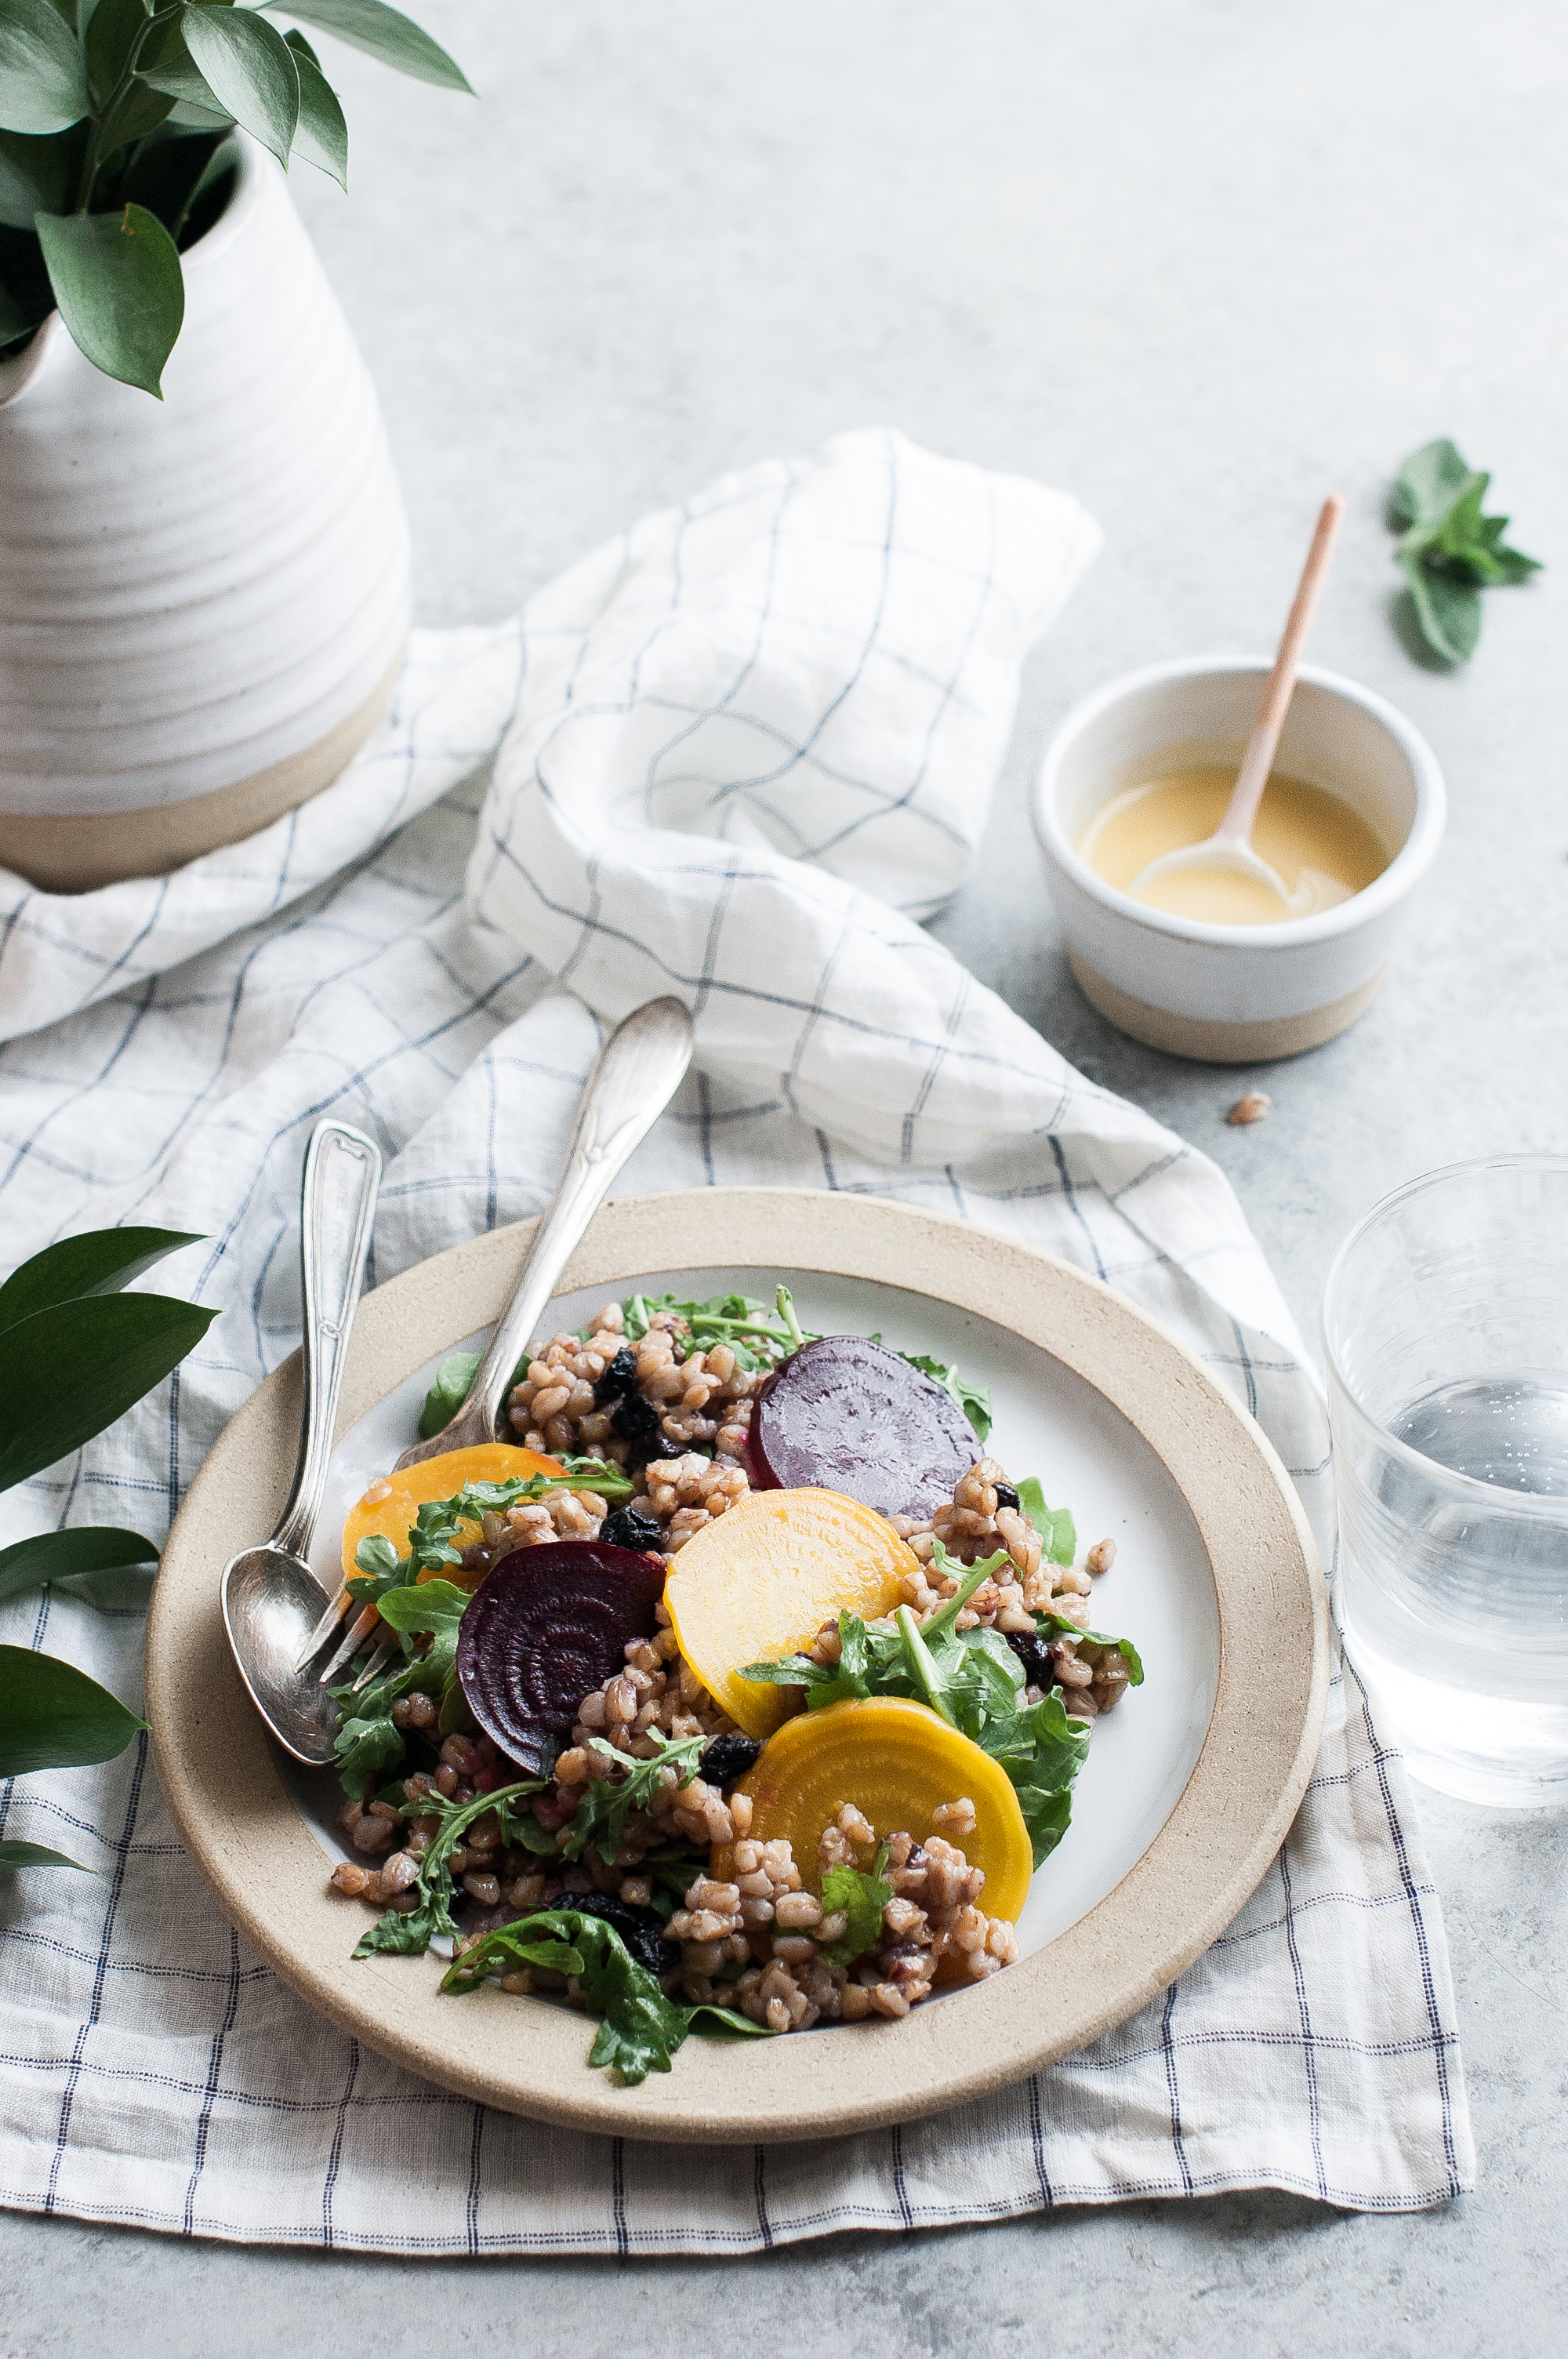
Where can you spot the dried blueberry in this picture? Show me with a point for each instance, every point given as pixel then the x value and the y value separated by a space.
pixel 619 1378
pixel 1035 1654
pixel 638 1928
pixel 634 1417
pixel 726 1761
pixel 653 1445
pixel 1006 1497
pixel 628 1528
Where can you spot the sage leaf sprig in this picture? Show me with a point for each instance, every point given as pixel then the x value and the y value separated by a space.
pixel 116 151
pixel 76 1352
pixel 1448 550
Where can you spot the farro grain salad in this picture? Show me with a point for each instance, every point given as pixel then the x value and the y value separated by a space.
pixel 741 1693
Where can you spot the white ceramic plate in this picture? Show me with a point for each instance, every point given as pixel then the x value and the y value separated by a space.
pixel 1190 1785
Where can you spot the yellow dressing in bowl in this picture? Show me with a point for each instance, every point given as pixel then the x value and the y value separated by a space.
pixel 1324 850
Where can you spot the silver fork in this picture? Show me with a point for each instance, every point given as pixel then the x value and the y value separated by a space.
pixel 637 1072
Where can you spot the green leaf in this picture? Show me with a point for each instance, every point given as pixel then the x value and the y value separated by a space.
pixel 101 1261
pixel 66 1374
pixel 1428 483
pixel 26 1854
pixel 250 70
pixel 36 175
pixel 382 33
pixel 640 2028
pixel 929 1684
pixel 322 137
pixel 454 1381
pixel 52 1716
pixel 1058 1533
pixel 301 47
pixel 184 81
pixel 862 1898
pixel 54 1557
pixel 608 1802
pixel 43 83
pixel 410 1935
pixel 117 281
pixel 1057 1625
pixel 1447 612
pixel 432 1606
pixel 111 33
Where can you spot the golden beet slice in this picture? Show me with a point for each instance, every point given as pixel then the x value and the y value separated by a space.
pixel 897 1762
pixel 760 1580
pixel 393 1513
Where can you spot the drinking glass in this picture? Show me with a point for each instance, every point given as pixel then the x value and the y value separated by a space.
pixel 1445 1332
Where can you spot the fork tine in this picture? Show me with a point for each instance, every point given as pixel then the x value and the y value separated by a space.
pixel 383 1654
pixel 359 1630
pixel 325 1627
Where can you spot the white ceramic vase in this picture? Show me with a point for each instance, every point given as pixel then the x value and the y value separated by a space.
pixel 203 601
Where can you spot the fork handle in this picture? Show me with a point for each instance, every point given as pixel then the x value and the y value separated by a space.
pixel 342 1173
pixel 639 1070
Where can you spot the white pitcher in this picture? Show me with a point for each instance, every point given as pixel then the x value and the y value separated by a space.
pixel 203 601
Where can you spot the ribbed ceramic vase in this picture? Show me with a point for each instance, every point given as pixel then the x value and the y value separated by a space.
pixel 203 601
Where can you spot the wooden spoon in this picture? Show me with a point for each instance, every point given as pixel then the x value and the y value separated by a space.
pixel 1231 845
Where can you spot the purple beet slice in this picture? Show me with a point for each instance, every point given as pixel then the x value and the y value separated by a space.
pixel 546 1628
pixel 848 1415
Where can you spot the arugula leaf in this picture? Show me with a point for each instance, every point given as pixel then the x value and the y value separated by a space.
pixel 640 2028
pixel 411 1934
pixel 973 1399
pixel 436 1530
pixel 454 1381
pixel 1448 551
pixel 1058 1533
pixel 862 1899
pixel 740 1320
pixel 1042 1753
pixel 367 1741
pixel 608 1802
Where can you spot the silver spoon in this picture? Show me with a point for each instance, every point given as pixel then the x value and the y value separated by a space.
pixel 271 1597
pixel 639 1070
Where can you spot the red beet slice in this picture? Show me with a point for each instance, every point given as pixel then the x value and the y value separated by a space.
pixel 851 1416
pixel 545 1628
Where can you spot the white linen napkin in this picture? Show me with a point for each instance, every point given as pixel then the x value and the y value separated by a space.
pixel 745 748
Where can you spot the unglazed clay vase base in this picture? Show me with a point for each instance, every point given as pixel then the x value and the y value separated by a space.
pixel 73 855
pixel 1178 1813
pixel 1211 1043
pixel 202 599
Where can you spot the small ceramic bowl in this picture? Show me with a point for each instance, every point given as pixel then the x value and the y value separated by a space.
pixel 1234 995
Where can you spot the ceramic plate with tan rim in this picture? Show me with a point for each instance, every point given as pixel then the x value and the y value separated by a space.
pixel 1189 1786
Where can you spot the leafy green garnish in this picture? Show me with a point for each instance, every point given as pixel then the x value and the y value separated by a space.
pixel 608 1802
pixel 862 1898
pixel 438 1523
pixel 368 1743
pixel 738 1320
pixel 972 1679
pixel 454 1381
pixel 973 1399
pixel 640 2028
pixel 410 1933
pixel 1058 1533
pixel 1449 552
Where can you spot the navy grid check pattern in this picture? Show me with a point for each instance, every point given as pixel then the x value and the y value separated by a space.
pixel 748 745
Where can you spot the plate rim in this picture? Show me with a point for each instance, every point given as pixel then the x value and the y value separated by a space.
pixel 245 1835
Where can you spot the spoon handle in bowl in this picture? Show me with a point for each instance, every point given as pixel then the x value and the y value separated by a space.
pixel 337 1209
pixel 639 1070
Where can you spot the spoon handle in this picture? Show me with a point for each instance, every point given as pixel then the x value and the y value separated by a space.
pixel 1241 811
pixel 639 1070
pixel 337 1207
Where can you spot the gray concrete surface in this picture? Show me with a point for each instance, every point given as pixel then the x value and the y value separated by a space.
pixel 1199 261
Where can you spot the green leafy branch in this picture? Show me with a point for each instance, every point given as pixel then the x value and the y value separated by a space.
pixel 640 2028
pixel 1449 552
pixel 115 118
pixel 76 1352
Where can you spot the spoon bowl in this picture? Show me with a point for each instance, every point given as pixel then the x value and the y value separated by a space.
pixel 1221 852
pixel 271 1604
